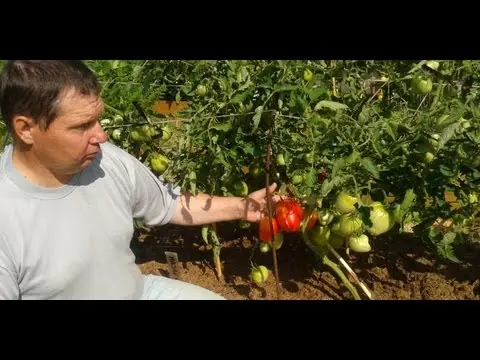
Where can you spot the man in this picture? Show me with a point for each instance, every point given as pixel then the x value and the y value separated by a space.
pixel 68 196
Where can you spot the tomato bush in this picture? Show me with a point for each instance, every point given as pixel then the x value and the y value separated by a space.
pixel 345 134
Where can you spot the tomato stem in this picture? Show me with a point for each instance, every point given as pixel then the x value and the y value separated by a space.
pixel 351 272
pixel 216 252
pixel 320 251
pixel 342 276
pixel 270 212
pixel 437 94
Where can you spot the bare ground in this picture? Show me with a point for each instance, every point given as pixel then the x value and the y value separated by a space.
pixel 396 269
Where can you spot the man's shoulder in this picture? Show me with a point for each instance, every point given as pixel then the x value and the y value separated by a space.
pixel 113 155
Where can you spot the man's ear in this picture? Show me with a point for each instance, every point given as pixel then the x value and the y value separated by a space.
pixel 23 127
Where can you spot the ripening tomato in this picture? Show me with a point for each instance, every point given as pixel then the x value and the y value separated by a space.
pixel 289 214
pixel 312 220
pixel 264 233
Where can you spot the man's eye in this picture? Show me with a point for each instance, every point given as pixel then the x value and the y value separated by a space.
pixel 84 126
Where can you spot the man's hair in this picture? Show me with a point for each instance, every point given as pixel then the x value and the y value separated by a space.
pixel 33 87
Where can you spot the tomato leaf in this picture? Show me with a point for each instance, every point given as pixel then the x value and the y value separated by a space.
pixel 370 167
pixel 223 127
pixel 448 133
pixel 256 120
pixel 311 177
pixel 338 165
pixel 407 203
pixel 445 248
pixel 248 148
pixel 333 105
pixel 390 132
pixel 315 93
pixel 240 97
pixel 279 88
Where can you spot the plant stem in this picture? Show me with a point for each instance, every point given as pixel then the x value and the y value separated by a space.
pixel 216 252
pixel 270 213
pixel 111 108
pixel 351 272
pixel 342 276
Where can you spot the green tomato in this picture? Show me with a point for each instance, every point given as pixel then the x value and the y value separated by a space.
pixel 359 243
pixel 422 85
pixel 382 220
pixel 166 133
pixel 256 170
pixel 280 160
pixel 345 203
pixel 259 274
pixel 116 134
pixel 319 235
pixel 432 64
pixel 297 179
pixel 307 75
pixel 159 163
pixel 336 241
pixel 264 247
pixel 325 217
pixel 428 157
pixel 201 90
pixel 472 198
pixel 347 225
pixel 240 188
pixel 308 157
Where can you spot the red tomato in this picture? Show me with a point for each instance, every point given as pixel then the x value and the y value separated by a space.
pixel 264 230
pixel 289 215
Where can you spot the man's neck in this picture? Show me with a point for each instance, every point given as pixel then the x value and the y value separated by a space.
pixel 34 171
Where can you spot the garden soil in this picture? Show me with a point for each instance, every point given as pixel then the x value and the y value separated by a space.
pixel 396 269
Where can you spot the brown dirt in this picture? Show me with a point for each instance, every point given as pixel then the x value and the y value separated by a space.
pixel 396 269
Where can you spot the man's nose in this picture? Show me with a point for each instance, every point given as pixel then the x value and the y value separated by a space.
pixel 99 136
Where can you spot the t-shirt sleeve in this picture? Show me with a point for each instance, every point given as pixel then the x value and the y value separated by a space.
pixel 9 289
pixel 153 200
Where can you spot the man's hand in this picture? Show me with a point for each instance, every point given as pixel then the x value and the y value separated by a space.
pixel 254 207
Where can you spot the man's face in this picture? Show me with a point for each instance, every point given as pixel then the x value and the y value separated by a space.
pixel 73 139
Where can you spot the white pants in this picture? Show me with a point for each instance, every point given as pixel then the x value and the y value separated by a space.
pixel 158 287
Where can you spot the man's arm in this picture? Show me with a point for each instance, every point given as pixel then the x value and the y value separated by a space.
pixel 205 209
pixel 159 203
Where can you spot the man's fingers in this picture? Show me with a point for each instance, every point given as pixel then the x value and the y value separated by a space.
pixel 263 192
pixel 273 187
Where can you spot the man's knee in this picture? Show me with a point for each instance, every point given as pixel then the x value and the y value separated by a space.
pixel 163 288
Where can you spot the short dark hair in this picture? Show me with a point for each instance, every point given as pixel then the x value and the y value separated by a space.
pixel 32 87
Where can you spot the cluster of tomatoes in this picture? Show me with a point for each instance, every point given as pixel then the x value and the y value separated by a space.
pixel 289 216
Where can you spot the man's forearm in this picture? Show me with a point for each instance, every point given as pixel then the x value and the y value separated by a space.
pixel 206 209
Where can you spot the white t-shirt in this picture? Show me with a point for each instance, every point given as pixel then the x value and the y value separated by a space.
pixel 73 242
